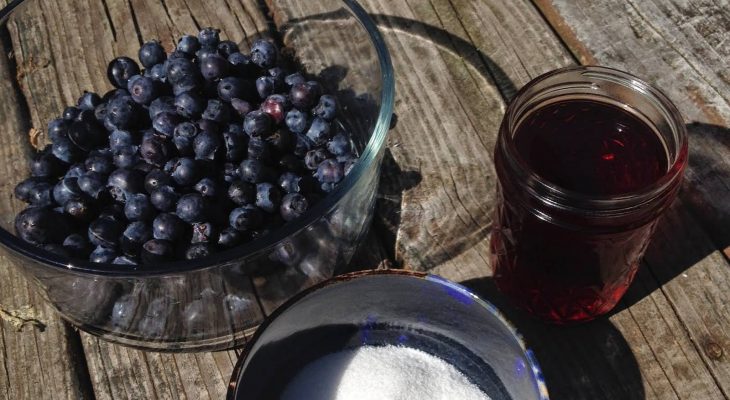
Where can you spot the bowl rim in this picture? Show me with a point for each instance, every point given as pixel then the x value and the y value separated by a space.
pixel 534 366
pixel 261 245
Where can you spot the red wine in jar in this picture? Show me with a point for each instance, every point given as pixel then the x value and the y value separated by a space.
pixel 564 273
pixel 591 147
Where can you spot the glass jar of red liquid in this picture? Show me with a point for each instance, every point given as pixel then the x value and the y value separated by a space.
pixel 587 160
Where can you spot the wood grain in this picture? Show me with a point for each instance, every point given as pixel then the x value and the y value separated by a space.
pixel 53 77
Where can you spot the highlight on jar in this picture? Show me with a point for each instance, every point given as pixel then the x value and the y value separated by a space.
pixel 587 159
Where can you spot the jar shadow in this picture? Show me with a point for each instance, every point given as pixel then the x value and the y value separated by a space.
pixel 585 361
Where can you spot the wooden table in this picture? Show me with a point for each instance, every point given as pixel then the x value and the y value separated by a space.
pixel 457 64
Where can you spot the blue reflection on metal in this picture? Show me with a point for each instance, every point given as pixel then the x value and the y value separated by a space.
pixel 520 367
pixel 456 291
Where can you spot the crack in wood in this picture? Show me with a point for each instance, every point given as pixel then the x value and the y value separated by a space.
pixel 135 22
pixel 19 318
pixel 109 19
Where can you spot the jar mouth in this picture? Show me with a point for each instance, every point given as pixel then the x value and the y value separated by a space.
pixel 590 82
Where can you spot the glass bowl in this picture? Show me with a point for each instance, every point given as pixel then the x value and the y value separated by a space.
pixel 212 303
pixel 388 307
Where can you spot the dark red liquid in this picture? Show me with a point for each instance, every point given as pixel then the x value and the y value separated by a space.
pixel 574 271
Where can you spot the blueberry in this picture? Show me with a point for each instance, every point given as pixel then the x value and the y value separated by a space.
pixel 57 128
pixel 263 53
pixel 162 104
pixel 65 150
pixel 155 150
pixel 217 111
pixel 230 172
pixel 35 225
pixel 46 165
pixel 167 226
pixel 206 187
pixel 233 88
pixel 339 145
pixel 242 64
pixel 259 149
pixel 75 171
pixel 228 238
pixel 65 190
pixel 206 145
pixel 245 218
pixel 319 131
pixel 303 96
pixel 209 37
pixel 253 171
pixel 293 206
pixel 214 67
pixel 99 163
pixel 227 47
pixel 124 260
pixel 257 124
pixel 156 179
pixel 183 171
pixel 157 73
pixel 189 106
pixel 235 142
pixel 120 70
pixel 24 190
pixel 296 121
pixel 203 232
pixel 143 89
pixel 281 141
pixel 123 112
pixel 293 183
pixel 88 101
pixel 125 156
pixel 294 79
pixel 327 107
pixel 314 157
pixel 274 106
pixel 70 113
pixel 102 255
pixel 182 72
pixel 114 93
pixel 156 251
pixel 268 197
pixel 241 107
pixel 41 194
pixel 242 193
pixel 151 53
pixel 125 181
pixel 77 245
pixel 92 183
pixel 105 232
pixel 265 86
pixel 208 125
pixel 165 123
pixel 188 44
pixel 87 133
pixel 198 250
pixel 330 171
pixel 134 236
pixel 113 211
pixel 191 208
pixel 120 138
pixel 138 207
pixel 164 198
pixel 80 208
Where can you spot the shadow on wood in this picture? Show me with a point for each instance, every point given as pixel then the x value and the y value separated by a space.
pixel 586 361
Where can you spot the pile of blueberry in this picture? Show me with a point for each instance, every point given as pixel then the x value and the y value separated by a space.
pixel 202 150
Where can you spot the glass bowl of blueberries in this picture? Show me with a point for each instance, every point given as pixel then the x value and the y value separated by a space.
pixel 170 183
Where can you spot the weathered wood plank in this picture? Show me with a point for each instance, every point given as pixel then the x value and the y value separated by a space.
pixel 40 355
pixel 496 30
pixel 52 77
pixel 682 48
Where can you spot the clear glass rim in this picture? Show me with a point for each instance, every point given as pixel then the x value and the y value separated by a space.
pixel 535 369
pixel 266 242
pixel 617 204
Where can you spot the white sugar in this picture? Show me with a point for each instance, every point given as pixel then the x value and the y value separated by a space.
pixel 381 373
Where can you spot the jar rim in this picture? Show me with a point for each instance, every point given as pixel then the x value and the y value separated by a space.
pixel 573 201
